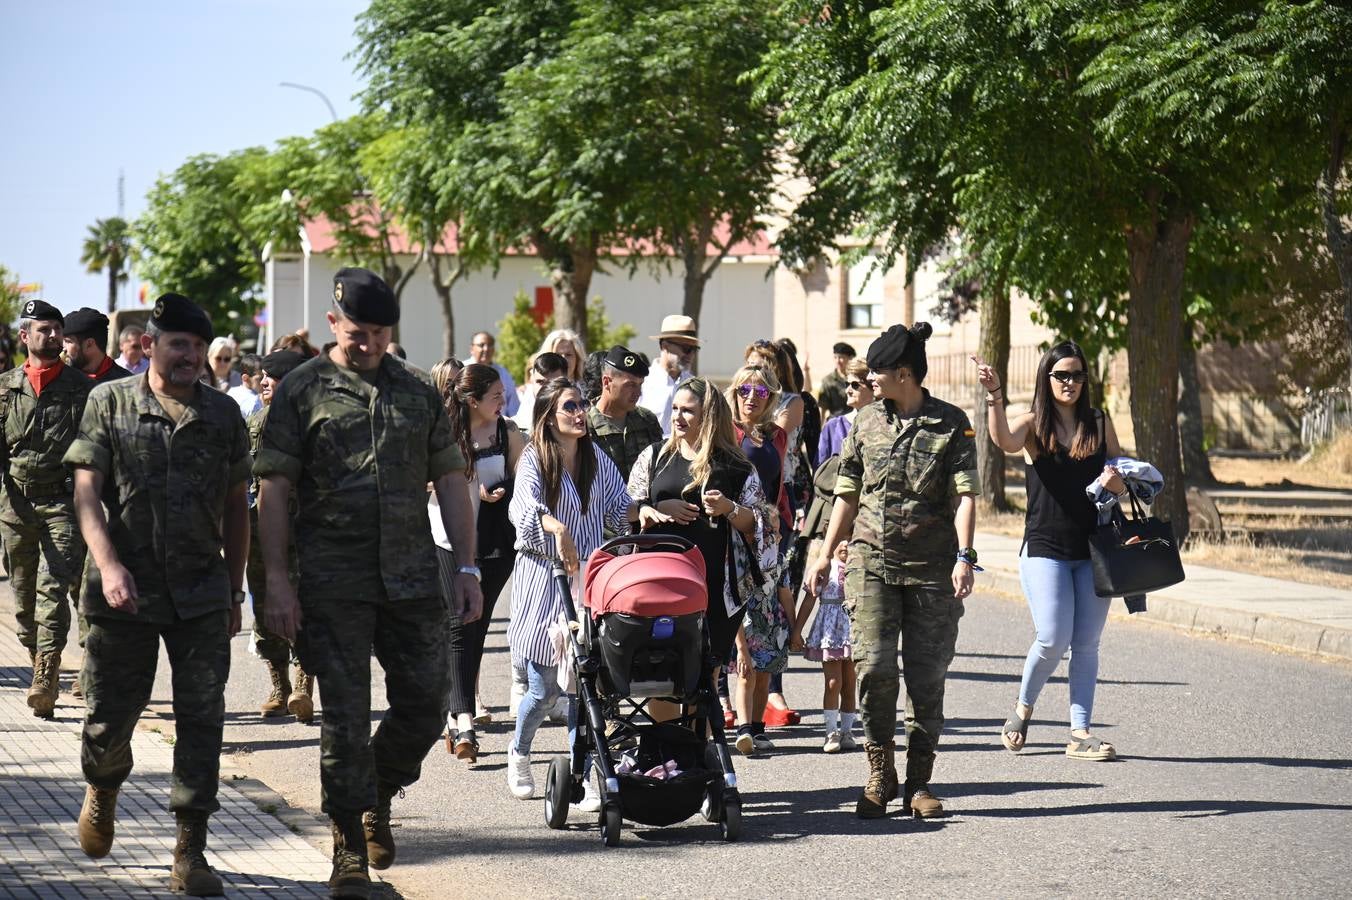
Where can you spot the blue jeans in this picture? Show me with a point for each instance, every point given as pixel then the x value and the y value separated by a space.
pixel 1068 616
pixel 542 693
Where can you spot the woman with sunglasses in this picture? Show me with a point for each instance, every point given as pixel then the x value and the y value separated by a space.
pixel 858 394
pixel 1065 444
pixel 767 630
pixel 567 492
pixel 220 360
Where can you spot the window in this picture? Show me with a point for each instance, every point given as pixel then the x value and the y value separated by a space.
pixel 864 294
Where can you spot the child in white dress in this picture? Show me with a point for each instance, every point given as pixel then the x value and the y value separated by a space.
pixel 829 643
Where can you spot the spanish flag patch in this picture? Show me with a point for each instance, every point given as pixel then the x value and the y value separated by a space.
pixel 967 432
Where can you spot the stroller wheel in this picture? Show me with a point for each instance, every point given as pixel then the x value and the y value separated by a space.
pixel 730 825
pixel 558 791
pixel 610 825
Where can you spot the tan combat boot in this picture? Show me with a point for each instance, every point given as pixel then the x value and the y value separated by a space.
pixel 190 873
pixel 380 847
pixel 96 821
pixel 301 702
pixel 917 796
pixel 350 879
pixel 881 787
pixel 46 686
pixel 275 705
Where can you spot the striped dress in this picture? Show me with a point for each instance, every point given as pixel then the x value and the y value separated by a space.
pixel 536 603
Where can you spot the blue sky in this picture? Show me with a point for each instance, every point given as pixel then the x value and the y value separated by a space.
pixel 89 88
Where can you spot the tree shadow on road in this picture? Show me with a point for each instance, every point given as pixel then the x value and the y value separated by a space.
pixel 1016 677
pixel 1285 762
pixel 1182 809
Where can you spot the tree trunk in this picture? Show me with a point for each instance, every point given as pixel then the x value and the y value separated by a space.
pixel 443 286
pixel 1157 255
pixel 994 344
pixel 570 270
pixel 1340 242
pixel 1196 466
pixel 112 285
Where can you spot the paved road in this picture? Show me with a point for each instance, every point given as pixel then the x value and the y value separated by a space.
pixel 1235 780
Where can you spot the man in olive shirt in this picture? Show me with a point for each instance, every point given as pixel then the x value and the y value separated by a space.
pixel 169 458
pixel 360 435
pixel 619 426
pixel 40 407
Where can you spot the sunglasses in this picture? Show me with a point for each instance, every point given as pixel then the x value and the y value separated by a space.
pixel 573 407
pixel 859 385
pixel 1069 377
pixel 760 390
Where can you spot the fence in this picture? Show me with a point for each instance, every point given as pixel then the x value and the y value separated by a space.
pixel 1326 414
pixel 953 375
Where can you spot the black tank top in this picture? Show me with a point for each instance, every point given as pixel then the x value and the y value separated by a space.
pixel 1060 516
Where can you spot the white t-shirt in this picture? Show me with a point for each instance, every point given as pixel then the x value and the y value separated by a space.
pixel 659 389
pixel 439 536
pixel 249 402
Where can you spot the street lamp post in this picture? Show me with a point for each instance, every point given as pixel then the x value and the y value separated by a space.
pixel 313 90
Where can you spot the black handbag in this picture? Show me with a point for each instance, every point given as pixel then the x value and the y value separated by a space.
pixel 1134 555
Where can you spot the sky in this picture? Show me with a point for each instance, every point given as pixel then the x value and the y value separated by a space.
pixel 90 89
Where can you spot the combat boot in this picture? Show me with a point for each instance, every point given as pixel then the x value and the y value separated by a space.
pixel 916 795
pixel 43 692
pixel 190 873
pixel 350 879
pixel 75 690
pixel 96 821
pixel 275 705
pixel 301 702
pixel 376 823
pixel 881 787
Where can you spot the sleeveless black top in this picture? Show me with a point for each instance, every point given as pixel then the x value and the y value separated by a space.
pixel 1060 515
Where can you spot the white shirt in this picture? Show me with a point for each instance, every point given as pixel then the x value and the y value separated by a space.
pixel 525 415
pixel 511 400
pixel 659 389
pixel 249 402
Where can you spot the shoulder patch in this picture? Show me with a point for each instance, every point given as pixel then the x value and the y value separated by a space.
pixel 968 432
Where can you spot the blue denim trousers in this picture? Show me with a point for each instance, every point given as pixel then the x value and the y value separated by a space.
pixel 1068 615
pixel 542 693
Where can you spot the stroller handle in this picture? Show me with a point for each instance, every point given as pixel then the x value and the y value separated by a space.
pixel 648 542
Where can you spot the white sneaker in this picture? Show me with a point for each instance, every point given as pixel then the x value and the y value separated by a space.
pixel 559 714
pixel 847 740
pixel 520 781
pixel 746 744
pixel 832 744
pixel 762 743
pixel 591 798
pixel 481 714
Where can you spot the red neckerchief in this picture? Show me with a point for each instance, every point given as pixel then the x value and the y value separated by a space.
pixel 102 369
pixel 40 378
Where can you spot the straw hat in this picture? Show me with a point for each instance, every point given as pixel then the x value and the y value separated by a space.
pixel 680 329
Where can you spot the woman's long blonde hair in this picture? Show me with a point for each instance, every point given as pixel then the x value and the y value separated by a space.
pixel 716 435
pixel 579 349
pixel 754 375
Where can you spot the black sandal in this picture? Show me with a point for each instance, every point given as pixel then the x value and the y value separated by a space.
pixel 466 746
pixel 1015 725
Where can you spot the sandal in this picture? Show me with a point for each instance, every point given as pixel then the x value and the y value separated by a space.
pixel 466 746
pixel 1015 725
pixel 1091 749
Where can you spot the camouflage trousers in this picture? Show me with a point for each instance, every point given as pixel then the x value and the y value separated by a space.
pixel 925 619
pixel 44 555
pixel 118 674
pixel 409 638
pixel 270 646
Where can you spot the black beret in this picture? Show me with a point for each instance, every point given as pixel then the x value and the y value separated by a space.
pixel 175 312
pixel 901 346
pixel 279 362
pixel 363 296
pixel 627 360
pixel 42 311
pixel 85 321
pixel 843 349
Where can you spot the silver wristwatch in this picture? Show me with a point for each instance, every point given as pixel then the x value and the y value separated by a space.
pixel 470 570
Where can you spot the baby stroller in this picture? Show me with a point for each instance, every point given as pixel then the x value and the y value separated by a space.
pixel 642 637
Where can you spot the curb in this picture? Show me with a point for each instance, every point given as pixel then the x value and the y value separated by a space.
pixel 1327 644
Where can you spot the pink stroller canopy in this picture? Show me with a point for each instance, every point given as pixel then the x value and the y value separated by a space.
pixel 646 584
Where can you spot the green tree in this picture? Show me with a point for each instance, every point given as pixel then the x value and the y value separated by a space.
pixel 107 248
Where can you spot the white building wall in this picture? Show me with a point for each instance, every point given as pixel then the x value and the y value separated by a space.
pixel 738 305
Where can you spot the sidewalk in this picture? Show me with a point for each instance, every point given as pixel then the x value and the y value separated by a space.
pixel 1302 617
pixel 41 790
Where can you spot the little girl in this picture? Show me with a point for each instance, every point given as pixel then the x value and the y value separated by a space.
pixel 829 643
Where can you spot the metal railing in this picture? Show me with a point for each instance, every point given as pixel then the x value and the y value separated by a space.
pixel 1326 414
pixel 953 375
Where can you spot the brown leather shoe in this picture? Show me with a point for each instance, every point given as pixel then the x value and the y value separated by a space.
pixel 924 805
pixel 96 821
pixel 881 787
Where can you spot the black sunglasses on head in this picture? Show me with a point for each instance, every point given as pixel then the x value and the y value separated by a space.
pixel 1069 377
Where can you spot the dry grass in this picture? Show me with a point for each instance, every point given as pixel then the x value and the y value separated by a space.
pixel 1329 467
pixel 1310 552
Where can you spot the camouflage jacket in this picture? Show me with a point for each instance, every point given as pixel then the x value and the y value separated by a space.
pixel 907 475
pixel 360 456
pixel 165 487
pixel 831 394
pixel 624 442
pixel 38 430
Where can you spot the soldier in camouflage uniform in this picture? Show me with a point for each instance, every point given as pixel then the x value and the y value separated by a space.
pixel 618 425
pixel 40 408
pixel 168 457
pixel 85 337
pixel 359 435
pixel 907 487
pixel 289 694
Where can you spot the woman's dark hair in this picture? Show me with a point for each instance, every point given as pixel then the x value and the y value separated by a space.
pixel 548 363
pixel 913 357
pixel 591 375
pixel 1086 439
pixel 791 354
pixel 550 452
pixel 472 383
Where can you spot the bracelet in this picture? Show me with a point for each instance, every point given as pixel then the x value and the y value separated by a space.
pixel 732 513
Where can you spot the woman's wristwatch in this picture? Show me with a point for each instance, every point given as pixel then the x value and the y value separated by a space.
pixel 732 513
pixel 237 597
pixel 470 570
